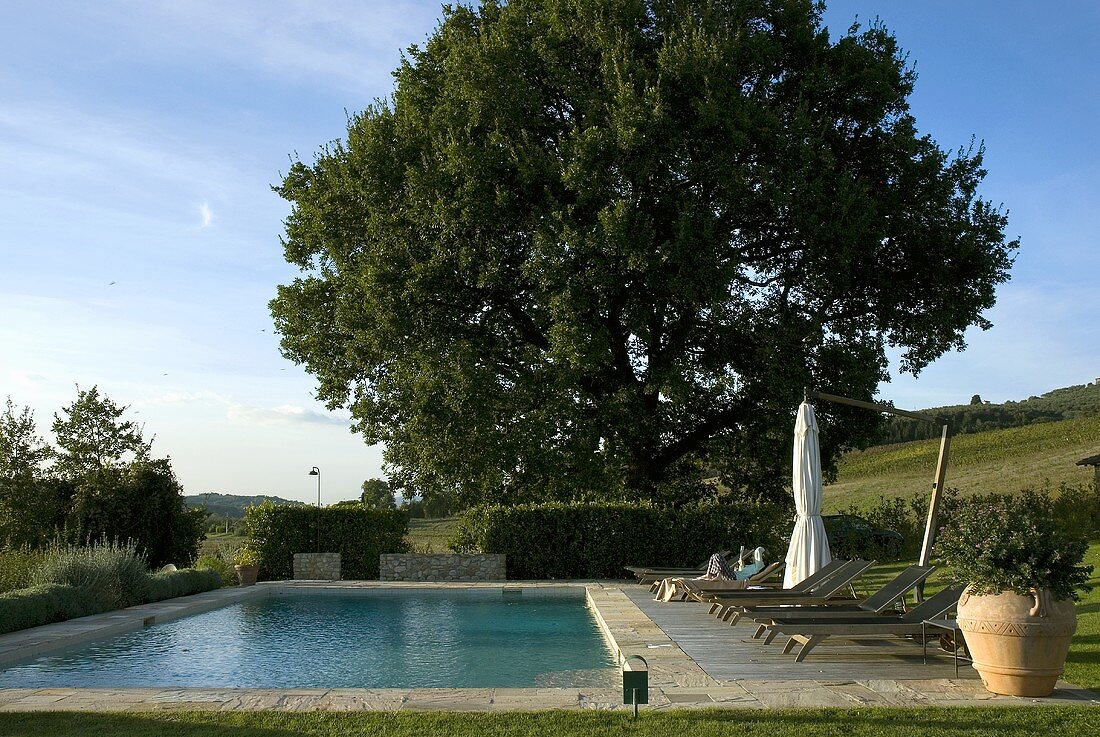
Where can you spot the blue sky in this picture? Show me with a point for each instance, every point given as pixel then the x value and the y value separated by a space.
pixel 139 238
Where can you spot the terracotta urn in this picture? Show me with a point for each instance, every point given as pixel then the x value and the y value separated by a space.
pixel 247 574
pixel 1018 643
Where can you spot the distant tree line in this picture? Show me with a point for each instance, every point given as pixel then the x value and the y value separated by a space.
pixel 99 481
pixel 1061 404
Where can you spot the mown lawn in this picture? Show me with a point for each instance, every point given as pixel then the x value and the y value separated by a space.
pixel 920 722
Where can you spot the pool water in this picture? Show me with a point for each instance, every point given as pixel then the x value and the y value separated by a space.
pixel 399 639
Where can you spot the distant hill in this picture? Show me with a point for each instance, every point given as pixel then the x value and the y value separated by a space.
pixel 1068 403
pixel 232 505
pixel 1039 455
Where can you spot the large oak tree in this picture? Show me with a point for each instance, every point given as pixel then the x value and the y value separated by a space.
pixel 596 246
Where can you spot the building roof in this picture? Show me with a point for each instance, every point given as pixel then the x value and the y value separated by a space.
pixel 1090 461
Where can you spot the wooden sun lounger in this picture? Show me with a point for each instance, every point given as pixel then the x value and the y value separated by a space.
pixel 829 569
pixel 678 589
pixel 811 632
pixel 824 590
pixel 877 602
pixel 650 574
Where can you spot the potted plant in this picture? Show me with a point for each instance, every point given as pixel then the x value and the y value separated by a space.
pixel 1022 571
pixel 247 562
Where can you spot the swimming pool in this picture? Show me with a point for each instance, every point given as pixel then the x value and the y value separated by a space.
pixel 411 638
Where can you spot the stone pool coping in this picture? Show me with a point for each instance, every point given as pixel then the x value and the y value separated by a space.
pixel 676 681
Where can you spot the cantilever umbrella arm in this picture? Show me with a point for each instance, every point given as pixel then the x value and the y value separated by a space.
pixel 941 463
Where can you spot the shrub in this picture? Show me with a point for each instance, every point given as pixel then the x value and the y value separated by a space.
pixel 217 564
pixel 16 567
pixel 359 535
pixel 189 581
pixel 1000 542
pixel 597 540
pixel 115 571
pixel 39 605
pixel 1077 509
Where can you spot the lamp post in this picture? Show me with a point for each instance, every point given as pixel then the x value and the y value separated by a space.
pixel 317 525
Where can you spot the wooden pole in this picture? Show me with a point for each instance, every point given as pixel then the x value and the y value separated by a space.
pixel 934 503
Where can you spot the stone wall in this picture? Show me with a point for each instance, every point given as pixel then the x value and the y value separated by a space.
pixel 317 566
pixel 410 567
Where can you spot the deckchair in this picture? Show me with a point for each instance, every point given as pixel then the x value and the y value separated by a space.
pixel 703 589
pixel 811 632
pixel 678 589
pixel 877 602
pixel 650 574
pixel 826 588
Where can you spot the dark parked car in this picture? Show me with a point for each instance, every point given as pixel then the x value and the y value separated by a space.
pixel 851 536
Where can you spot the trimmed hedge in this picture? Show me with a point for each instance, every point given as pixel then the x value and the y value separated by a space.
pixel 358 535
pixel 171 584
pixel 597 540
pixel 38 605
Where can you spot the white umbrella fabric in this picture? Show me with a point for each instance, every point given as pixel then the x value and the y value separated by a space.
pixel 809 549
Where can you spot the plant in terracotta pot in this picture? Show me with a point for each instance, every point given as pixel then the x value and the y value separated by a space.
pixel 1022 571
pixel 247 562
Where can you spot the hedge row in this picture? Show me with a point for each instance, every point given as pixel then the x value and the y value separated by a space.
pixel 53 602
pixel 23 608
pixel 171 584
pixel 589 540
pixel 358 535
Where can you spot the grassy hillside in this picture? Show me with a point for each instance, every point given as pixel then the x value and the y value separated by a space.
pixel 995 461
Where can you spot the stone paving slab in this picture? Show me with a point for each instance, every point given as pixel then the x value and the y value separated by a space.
pixel 676 680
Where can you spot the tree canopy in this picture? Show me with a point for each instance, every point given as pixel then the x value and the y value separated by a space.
pixel 103 484
pixel 598 246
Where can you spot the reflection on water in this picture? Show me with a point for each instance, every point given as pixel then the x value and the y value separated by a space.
pixel 298 640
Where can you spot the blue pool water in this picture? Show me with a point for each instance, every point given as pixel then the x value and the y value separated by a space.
pixel 404 639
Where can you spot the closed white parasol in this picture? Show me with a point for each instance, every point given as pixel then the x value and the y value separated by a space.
pixel 809 549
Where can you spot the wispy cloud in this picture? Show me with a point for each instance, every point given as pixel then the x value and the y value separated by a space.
pixel 285 414
pixel 206 214
pixel 253 414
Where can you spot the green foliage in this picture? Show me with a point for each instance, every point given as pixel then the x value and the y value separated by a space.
pixel 233 506
pixel 1061 404
pixel 1077 509
pixel 1001 543
pixel 377 494
pixel 16 566
pixel 170 584
pixel 909 516
pixel 217 564
pixel 142 502
pixel 93 436
pixel 23 453
pixel 116 572
pixel 920 457
pixel 247 555
pixel 597 540
pixel 927 721
pixel 43 604
pixel 359 535
pixel 591 245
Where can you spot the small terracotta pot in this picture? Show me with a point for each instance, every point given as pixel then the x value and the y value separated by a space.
pixel 1018 643
pixel 247 574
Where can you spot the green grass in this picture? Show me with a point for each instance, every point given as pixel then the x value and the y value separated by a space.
pixel 1083 663
pixel 213 541
pixel 431 535
pixel 923 722
pixel 996 461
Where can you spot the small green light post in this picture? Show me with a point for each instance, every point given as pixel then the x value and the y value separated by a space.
pixel 635 681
